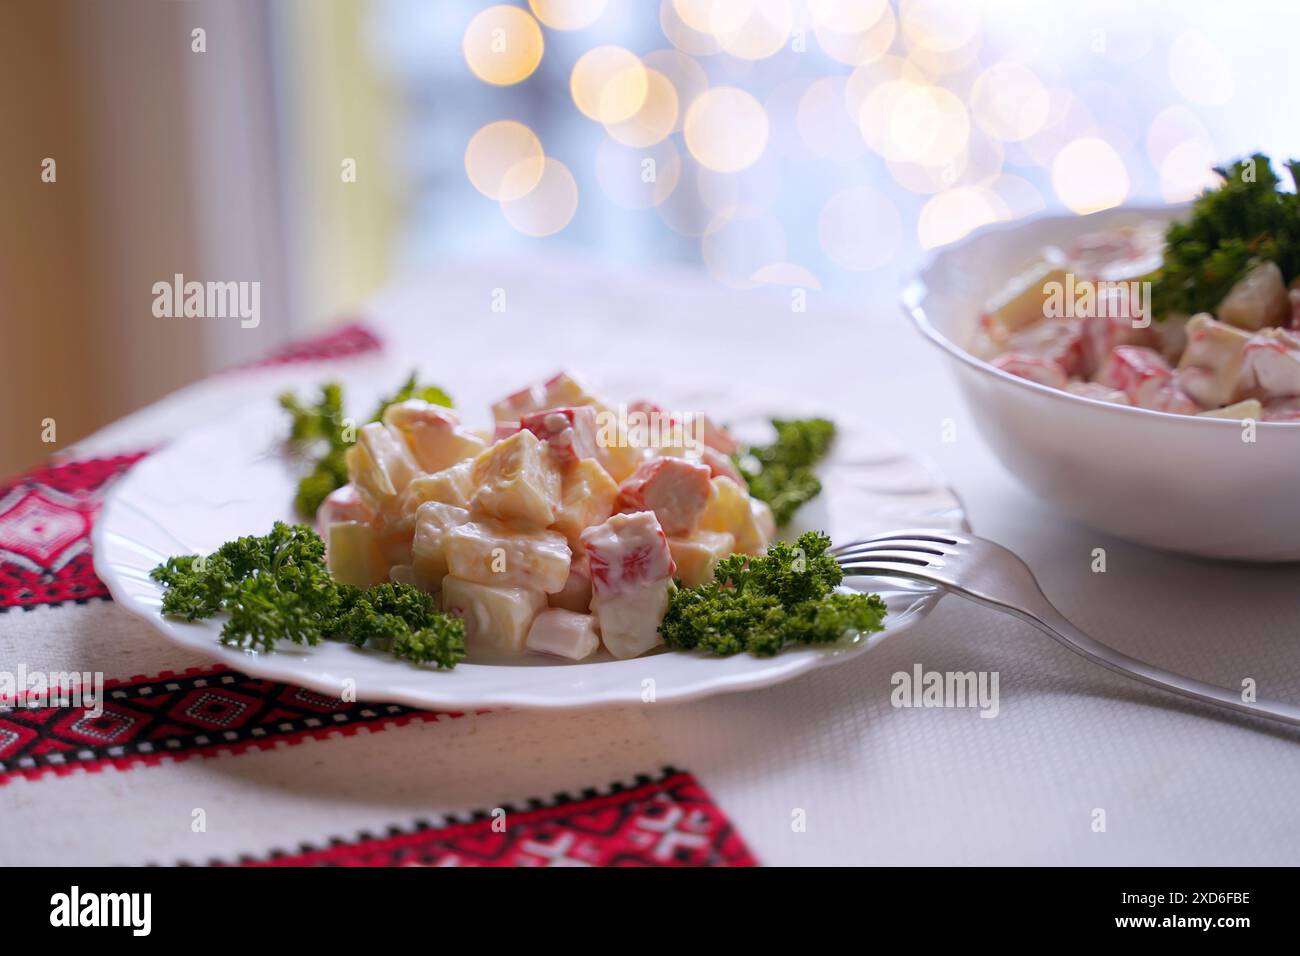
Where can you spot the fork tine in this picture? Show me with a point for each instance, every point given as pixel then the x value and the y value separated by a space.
pixel 934 535
pixel 897 569
pixel 920 546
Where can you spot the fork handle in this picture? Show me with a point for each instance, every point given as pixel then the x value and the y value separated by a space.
pixel 1055 625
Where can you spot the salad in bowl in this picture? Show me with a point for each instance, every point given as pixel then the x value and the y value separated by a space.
pixel 1202 318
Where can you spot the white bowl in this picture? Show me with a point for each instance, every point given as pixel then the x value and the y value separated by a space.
pixel 1177 482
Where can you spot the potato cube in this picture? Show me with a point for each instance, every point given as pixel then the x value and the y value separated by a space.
pixel 394 534
pixel 564 634
pixel 1024 302
pixel 629 622
pixel 1270 364
pixel 698 555
pixel 1210 368
pixel 1257 299
pixel 675 489
pixel 353 554
pixel 490 552
pixel 434 520
pixel 496 619
pixel 516 481
pixel 627 553
pixel 576 593
pixel 728 509
pixel 587 497
pixel 433 434
pixel 1241 411
pixel 451 486
pixel 558 391
pixel 379 464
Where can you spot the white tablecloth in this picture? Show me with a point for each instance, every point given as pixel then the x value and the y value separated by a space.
pixel 869 782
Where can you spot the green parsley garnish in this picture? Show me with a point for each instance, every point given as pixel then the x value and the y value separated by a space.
pixel 761 604
pixel 1245 221
pixel 277 587
pixel 782 473
pixel 318 431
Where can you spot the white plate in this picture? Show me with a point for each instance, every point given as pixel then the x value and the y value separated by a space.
pixel 229 479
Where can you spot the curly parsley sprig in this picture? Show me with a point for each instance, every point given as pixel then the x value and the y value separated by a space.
pixel 1246 220
pixel 318 430
pixel 764 603
pixel 781 473
pixel 276 587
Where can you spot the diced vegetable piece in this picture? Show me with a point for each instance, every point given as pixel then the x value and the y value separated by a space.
pixel 1102 334
pixel 626 553
pixel 496 619
pixel 728 509
pixel 1118 254
pixel 720 464
pixel 698 555
pixel 342 504
pixel 1270 364
pixel 1031 367
pixel 764 521
pixel 561 390
pixel 451 486
pixel 394 533
pixel 1257 300
pixel 564 634
pixel 675 489
pixel 1210 369
pixel 1103 393
pixel 353 554
pixel 433 434
pixel 434 520
pixel 1168 397
pixel 516 481
pixel 1136 371
pixel 569 433
pixel 1057 340
pixel 1023 303
pixel 380 464
pixel 587 497
pixel 1250 408
pixel 629 622
pixel 490 552
pixel 576 593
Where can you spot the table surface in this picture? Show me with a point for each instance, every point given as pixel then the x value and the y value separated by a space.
pixel 1079 766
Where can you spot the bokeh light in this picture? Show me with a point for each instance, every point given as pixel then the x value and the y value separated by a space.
pixel 859 47
pixel 504 160
pixel 726 129
pixel 789 274
pixel 1088 175
pixel 939 25
pixel 503 45
pixel 1010 101
pixel 656 118
pixel 953 213
pixel 928 124
pixel 548 207
pixel 683 36
pixel 847 16
pixel 688 78
pixel 762 33
pixel 739 242
pixel 609 84
pixel 824 122
pixel 568 14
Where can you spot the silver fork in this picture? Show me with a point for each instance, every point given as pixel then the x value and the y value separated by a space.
pixel 989 574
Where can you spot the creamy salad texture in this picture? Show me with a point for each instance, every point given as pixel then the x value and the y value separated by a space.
pixel 559 531
pixel 1080 319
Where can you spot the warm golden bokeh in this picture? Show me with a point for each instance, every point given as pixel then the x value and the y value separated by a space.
pixel 726 129
pixel 657 117
pixel 609 84
pixel 568 14
pixel 548 207
pixel 1088 176
pixel 504 160
pixel 503 45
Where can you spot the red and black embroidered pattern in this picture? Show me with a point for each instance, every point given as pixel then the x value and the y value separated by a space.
pixel 669 821
pixel 203 711
pixel 351 339
pixel 45 519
